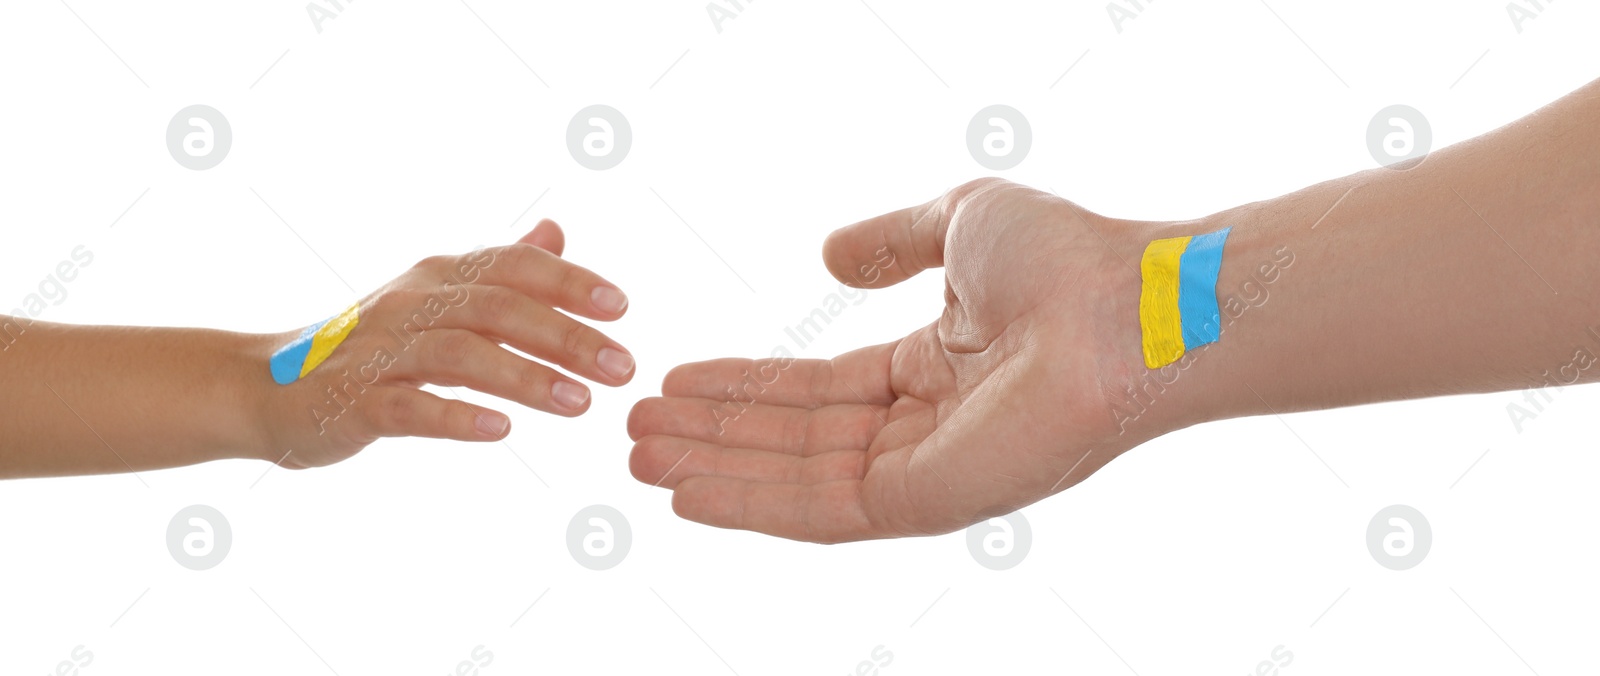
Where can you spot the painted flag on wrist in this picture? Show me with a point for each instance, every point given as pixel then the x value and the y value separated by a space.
pixel 1178 301
pixel 293 361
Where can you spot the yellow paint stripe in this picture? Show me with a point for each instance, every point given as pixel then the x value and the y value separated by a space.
pixel 1159 319
pixel 329 337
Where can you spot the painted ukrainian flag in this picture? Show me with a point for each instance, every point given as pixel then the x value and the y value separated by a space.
pixel 306 352
pixel 1178 303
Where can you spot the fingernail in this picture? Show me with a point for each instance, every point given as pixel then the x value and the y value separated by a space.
pixel 615 363
pixel 609 300
pixel 569 395
pixel 492 424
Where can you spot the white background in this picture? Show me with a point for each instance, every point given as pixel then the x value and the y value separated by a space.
pixel 404 129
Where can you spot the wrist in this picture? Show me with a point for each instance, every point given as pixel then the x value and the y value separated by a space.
pixel 1203 384
pixel 247 395
pixel 1221 378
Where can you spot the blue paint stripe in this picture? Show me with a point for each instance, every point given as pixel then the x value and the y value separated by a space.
pixel 286 362
pixel 1197 288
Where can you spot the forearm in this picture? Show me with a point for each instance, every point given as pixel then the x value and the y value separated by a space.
pixel 93 399
pixel 1472 272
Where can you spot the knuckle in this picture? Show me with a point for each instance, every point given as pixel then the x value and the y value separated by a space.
pixel 405 305
pixel 973 188
pixel 496 303
pixel 430 263
pixel 794 469
pixel 521 256
pixel 530 378
pixel 451 348
pixel 390 297
pixel 716 464
pixel 395 411
pixel 801 514
pixel 821 381
pixel 521 253
pixel 574 338
pixel 967 197
pixel 457 415
pixel 574 281
pixel 795 430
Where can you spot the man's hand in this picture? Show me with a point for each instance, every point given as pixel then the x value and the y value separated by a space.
pixel 1001 402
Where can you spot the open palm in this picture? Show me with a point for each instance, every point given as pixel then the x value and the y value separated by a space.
pixel 997 404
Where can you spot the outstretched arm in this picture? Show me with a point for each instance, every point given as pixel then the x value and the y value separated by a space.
pixel 1471 272
pixel 98 399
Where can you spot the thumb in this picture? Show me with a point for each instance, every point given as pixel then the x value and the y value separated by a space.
pixel 891 248
pixel 546 235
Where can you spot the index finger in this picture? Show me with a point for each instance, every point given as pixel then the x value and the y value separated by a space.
pixel 855 377
pixel 544 277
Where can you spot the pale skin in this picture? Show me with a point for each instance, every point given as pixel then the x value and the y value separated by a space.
pixel 100 399
pixel 1471 272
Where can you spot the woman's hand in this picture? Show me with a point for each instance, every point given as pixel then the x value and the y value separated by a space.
pixel 448 321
